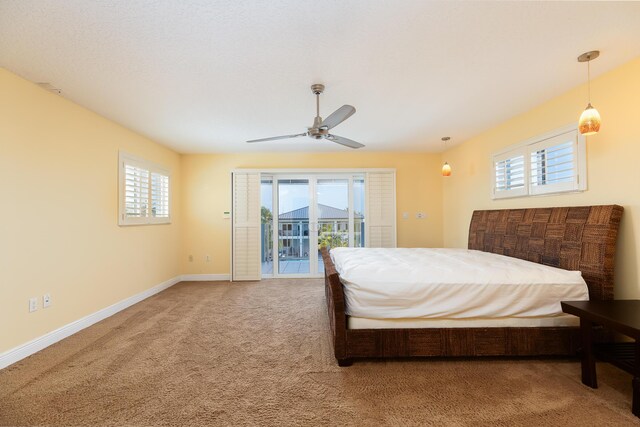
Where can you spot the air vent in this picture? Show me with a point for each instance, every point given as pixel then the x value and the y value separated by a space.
pixel 50 88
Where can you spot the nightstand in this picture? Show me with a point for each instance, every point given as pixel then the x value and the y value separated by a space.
pixel 622 316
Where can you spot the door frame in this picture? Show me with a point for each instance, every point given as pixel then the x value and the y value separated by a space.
pixel 268 172
pixel 312 219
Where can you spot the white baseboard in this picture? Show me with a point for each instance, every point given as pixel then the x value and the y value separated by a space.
pixel 205 277
pixel 18 353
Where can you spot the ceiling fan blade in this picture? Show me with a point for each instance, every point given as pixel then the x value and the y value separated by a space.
pixel 344 141
pixel 338 116
pixel 274 138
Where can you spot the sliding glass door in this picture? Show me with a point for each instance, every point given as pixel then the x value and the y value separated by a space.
pixel 267 252
pixel 334 219
pixel 280 220
pixel 306 213
pixel 294 240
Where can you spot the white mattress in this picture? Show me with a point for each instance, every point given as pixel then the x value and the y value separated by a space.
pixel 418 283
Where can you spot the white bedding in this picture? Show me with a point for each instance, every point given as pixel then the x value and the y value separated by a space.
pixel 402 283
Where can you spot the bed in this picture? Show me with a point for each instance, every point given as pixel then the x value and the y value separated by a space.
pixel 579 238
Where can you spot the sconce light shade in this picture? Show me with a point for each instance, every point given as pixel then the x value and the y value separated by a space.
pixel 589 123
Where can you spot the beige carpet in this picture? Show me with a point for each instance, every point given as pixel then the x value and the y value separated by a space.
pixel 259 354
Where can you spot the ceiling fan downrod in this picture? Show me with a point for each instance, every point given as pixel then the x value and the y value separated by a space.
pixel 315 131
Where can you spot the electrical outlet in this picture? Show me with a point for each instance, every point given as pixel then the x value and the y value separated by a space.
pixel 190 258
pixel 208 258
pixel 33 304
pixel 421 215
pixel 46 300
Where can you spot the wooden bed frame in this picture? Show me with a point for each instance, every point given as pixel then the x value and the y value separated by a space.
pixel 574 238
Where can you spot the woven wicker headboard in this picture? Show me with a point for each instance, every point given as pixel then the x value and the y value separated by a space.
pixel 574 238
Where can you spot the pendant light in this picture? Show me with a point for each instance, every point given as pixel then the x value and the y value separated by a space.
pixel 446 169
pixel 589 123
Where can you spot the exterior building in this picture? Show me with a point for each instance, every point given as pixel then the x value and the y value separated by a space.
pixel 293 231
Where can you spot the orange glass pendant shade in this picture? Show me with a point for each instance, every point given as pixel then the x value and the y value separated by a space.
pixel 589 123
pixel 446 169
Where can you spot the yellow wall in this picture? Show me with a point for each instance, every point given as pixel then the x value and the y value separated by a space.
pixel 58 222
pixel 206 192
pixel 613 165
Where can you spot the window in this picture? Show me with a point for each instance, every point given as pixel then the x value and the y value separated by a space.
pixel 144 192
pixel 554 165
pixel 509 168
pixel 551 163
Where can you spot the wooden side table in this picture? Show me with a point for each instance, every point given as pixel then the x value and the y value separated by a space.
pixel 622 316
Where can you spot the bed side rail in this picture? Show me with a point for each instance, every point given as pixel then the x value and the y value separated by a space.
pixel 336 308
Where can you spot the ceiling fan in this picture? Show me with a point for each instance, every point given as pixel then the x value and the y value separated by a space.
pixel 320 128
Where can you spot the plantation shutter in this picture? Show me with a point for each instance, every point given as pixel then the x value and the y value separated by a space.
pixel 136 193
pixel 509 173
pixel 554 165
pixel 246 226
pixel 380 218
pixel 159 195
pixel 144 192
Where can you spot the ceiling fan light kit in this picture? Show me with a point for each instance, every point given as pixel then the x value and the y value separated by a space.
pixel 320 128
pixel 589 123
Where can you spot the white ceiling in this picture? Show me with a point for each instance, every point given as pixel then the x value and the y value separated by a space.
pixel 204 76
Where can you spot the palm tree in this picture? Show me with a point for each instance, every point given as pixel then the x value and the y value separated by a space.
pixel 266 215
pixel 266 218
pixel 332 240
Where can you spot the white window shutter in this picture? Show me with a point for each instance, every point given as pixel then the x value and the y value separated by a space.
pixel 380 218
pixel 554 164
pixel 246 226
pixel 136 191
pixel 159 195
pixel 510 174
pixel 144 192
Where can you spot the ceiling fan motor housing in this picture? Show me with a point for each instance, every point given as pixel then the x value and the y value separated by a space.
pixel 317 131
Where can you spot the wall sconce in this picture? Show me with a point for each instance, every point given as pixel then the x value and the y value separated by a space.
pixel 589 123
pixel 446 168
